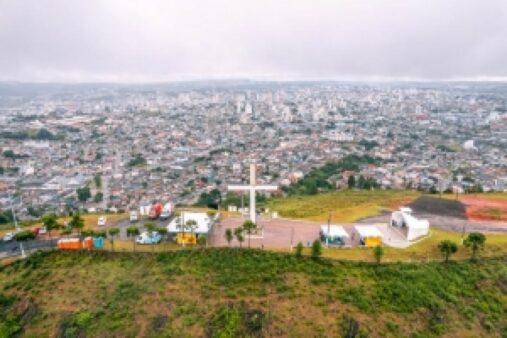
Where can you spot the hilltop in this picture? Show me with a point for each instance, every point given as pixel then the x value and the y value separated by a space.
pixel 231 292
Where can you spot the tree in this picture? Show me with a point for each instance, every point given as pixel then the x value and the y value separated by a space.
pixel 351 182
pixel 83 194
pixel 201 240
pixel 228 236
pixel 98 181
pixel 447 248
pixel 99 197
pixel 133 232
pixel 299 250
pixel 88 232
pixel 113 232
pixel 50 223
pixel 163 233
pixel 191 225
pixel 24 236
pixel 238 232
pixel 316 249
pixel 249 226
pixel 77 222
pixel 378 252
pixel 475 241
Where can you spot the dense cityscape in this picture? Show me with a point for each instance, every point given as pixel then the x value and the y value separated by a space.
pixel 122 146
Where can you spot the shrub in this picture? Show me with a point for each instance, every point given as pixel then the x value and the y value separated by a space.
pixel 316 249
pixel 475 241
pixel 378 252
pixel 299 250
pixel 447 248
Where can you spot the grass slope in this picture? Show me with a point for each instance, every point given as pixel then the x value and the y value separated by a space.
pixel 345 205
pixel 230 292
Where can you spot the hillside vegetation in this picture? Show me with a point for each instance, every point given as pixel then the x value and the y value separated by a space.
pixel 345 205
pixel 248 293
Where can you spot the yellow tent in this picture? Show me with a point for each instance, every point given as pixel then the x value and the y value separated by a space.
pixel 369 235
pixel 186 238
pixel 372 241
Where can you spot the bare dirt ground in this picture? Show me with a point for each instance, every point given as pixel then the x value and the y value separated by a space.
pixel 485 208
pixel 284 233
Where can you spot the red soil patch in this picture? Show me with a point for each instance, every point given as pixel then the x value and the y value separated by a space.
pixel 484 208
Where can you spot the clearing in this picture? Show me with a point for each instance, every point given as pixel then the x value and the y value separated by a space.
pixel 344 205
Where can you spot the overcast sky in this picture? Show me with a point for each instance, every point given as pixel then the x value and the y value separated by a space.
pixel 143 41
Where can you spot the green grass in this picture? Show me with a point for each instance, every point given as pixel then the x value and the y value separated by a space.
pixel 248 293
pixel 345 205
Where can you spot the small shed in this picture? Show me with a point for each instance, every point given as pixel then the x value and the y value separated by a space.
pixel 333 234
pixel 369 235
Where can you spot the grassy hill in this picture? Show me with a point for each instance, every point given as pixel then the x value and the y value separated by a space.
pixel 345 205
pixel 231 292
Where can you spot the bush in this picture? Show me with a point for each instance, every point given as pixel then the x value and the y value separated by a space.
pixel 378 252
pixel 316 249
pixel 299 250
pixel 236 321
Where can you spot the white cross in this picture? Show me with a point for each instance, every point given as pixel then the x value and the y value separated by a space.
pixel 252 188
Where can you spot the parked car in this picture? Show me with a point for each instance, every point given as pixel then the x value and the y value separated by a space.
pixel 134 216
pixel 36 231
pixel 102 221
pixel 145 238
pixel 8 237
pixel 43 231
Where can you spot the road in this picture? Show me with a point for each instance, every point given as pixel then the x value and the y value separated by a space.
pixel 448 223
pixel 8 249
pixel 11 248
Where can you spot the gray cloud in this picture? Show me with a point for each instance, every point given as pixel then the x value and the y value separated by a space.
pixel 101 40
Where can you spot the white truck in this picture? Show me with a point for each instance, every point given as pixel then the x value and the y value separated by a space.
pixel 134 217
pixel 167 210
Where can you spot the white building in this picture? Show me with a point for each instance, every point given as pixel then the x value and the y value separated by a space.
pixel 412 227
pixel 204 222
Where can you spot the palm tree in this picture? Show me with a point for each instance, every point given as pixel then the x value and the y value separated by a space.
pixel 77 222
pixel 191 225
pixel 228 236
pixel 238 232
pixel 50 223
pixel 113 232
pixel 475 241
pixel 249 226
pixel 447 248
pixel 133 232
pixel 163 233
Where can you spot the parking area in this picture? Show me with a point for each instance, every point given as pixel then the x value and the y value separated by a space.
pixel 284 233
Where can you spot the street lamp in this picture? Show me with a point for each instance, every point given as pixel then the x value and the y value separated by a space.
pixel 17 228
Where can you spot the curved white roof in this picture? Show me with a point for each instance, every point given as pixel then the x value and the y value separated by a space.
pixel 334 230
pixel 368 231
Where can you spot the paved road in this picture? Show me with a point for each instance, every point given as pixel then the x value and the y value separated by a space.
pixel 8 249
pixel 447 223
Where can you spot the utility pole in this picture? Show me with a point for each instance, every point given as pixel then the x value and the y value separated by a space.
pixel 17 228
pixel 328 229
